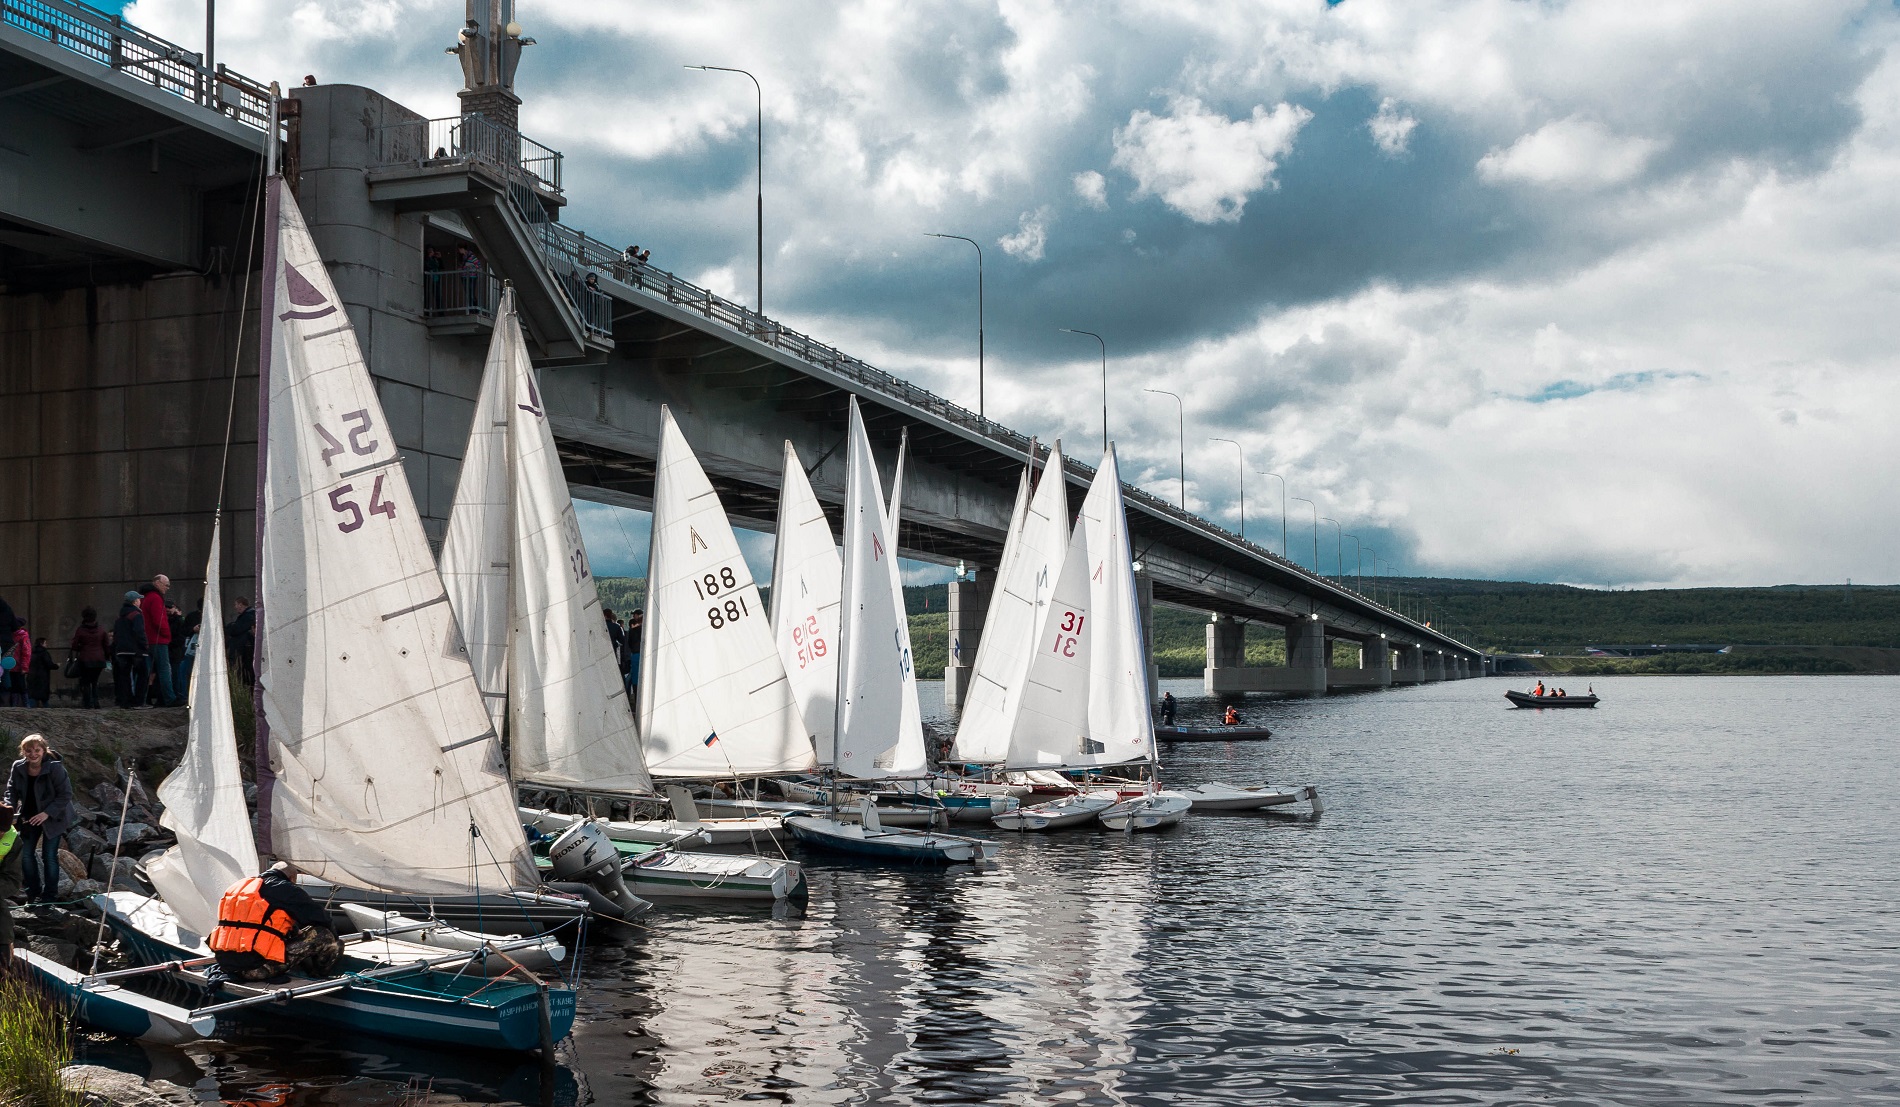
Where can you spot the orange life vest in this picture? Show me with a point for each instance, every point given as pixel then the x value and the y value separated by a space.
pixel 247 923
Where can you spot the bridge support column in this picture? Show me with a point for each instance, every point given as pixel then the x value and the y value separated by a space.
pixel 1411 665
pixel 1306 656
pixel 1374 671
pixel 1435 665
pixel 969 603
pixel 1145 604
pixel 1304 675
pixel 1226 649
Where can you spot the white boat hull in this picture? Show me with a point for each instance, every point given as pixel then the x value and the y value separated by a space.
pixel 674 875
pixel 1057 813
pixel 1215 796
pixel 544 957
pixel 755 830
pixel 1154 811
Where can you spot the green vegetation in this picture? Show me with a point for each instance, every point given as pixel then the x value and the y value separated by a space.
pixel 35 1044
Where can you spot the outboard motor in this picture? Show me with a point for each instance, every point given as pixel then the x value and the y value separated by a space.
pixel 585 857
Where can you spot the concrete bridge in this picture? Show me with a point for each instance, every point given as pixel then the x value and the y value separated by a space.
pixel 128 316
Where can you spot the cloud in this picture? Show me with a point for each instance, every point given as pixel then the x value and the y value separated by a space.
pixel 1391 128
pixel 1092 188
pixel 1201 163
pixel 1032 234
pixel 1569 153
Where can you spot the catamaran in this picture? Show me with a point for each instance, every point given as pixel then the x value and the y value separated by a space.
pixel 522 589
pixel 877 730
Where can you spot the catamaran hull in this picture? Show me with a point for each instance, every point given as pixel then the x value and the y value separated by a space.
pixel 545 957
pixel 1067 811
pixel 531 912
pixel 713 833
pixel 1226 797
pixel 115 1009
pixel 889 845
pixel 1150 812
pixel 432 1013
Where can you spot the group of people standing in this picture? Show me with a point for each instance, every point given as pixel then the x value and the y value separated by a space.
pixel 626 640
pixel 149 649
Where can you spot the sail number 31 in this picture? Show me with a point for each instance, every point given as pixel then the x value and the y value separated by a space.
pixel 1068 633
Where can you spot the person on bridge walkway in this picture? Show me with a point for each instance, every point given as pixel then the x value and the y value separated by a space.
pixel 268 926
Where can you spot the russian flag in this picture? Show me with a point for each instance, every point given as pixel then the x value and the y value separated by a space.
pixel 711 738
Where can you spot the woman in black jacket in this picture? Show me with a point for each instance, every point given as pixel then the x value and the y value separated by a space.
pixel 39 790
pixel 128 648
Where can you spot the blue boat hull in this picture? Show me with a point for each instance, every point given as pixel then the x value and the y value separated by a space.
pixel 114 1009
pixel 909 847
pixel 430 1008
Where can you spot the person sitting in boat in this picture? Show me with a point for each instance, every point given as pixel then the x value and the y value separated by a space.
pixel 1232 717
pixel 268 926
pixel 1539 690
pixel 1561 692
pixel 1169 705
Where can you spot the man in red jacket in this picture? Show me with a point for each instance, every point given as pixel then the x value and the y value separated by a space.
pixel 158 634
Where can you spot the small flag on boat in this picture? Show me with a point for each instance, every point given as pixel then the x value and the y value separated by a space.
pixel 711 738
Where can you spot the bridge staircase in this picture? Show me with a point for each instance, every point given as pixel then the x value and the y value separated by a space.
pixel 506 189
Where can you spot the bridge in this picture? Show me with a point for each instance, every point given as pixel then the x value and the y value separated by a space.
pixel 127 185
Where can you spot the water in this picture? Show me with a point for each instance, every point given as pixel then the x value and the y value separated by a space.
pixel 1685 896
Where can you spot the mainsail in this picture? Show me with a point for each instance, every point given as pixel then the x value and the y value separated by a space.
pixel 880 725
pixel 714 699
pixel 204 795
pixel 1017 603
pixel 521 586
pixel 1049 723
pixel 807 579
pixel 1119 722
pixel 388 770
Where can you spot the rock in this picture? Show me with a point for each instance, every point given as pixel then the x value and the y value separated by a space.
pixel 73 866
pixel 102 1085
pixel 84 843
pixel 53 949
pixel 114 875
pixel 134 834
pixel 139 813
pixel 108 794
pixel 80 889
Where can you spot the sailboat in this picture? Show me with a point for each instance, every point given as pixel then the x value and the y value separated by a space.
pixel 877 733
pixel 522 589
pixel 1075 705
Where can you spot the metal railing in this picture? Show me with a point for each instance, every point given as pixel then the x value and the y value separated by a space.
pixel 118 45
pixel 474 138
pixel 460 294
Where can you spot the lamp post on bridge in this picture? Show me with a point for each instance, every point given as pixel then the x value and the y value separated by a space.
pixel 1339 549
pixel 1358 565
pixel 1282 481
pixel 1180 426
pixel 1243 483
pixel 979 316
pixel 1315 507
pixel 1098 338
pixel 759 96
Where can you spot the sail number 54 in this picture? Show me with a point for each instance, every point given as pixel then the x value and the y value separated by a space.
pixel 342 505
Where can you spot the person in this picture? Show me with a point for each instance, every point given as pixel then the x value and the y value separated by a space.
pixel 309 80
pixel 1169 705
pixel 1561 692
pixel 39 676
pixel 618 638
pixel 12 851
pixel 128 647
pixel 593 282
pixel 268 926
pixel 90 645
pixel 188 626
pixel 1232 717
pixel 158 640
pixel 1539 690
pixel 240 640
pixel 432 275
pixel 20 649
pixel 41 795
pixel 636 628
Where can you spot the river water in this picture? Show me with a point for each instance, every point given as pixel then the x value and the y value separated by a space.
pixel 1688 895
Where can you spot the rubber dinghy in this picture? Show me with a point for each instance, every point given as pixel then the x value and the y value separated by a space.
pixel 868 838
pixel 1212 734
pixel 1525 699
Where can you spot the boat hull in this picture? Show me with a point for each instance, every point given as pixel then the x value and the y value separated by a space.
pixel 673 875
pixel 1225 797
pixel 545 957
pixel 115 1009
pixel 1155 811
pixel 721 833
pixel 1523 699
pixel 1212 734
pixel 1066 811
pixel 532 912
pixel 928 848
pixel 437 1008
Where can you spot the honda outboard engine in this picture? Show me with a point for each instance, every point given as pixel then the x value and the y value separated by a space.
pixel 585 857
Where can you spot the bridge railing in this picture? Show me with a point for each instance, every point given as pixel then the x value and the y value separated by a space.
pixel 472 138
pixel 166 66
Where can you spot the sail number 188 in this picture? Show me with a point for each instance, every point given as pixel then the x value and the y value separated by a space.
pixel 712 585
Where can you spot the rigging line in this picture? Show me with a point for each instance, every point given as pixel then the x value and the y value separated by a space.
pixel 243 282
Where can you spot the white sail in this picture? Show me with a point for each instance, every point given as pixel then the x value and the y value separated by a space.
pixel 388 771
pixel 1049 726
pixel 807 579
pixel 880 726
pixel 204 795
pixel 477 549
pixel 984 743
pixel 1119 722
pixel 1017 603
pixel 714 699
pixel 569 723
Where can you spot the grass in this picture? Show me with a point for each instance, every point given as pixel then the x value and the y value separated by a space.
pixel 35 1044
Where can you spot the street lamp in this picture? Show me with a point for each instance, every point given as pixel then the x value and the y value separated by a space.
pixel 759 95
pixel 1358 565
pixel 1315 507
pixel 1282 481
pixel 1243 483
pixel 1098 338
pixel 979 315
pixel 1180 426
pixel 1339 549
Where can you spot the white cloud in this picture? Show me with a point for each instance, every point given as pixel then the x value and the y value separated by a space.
pixel 1201 163
pixel 1391 128
pixel 1092 188
pixel 1032 234
pixel 1569 153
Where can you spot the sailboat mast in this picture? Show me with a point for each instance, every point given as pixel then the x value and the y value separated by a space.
pixel 266 318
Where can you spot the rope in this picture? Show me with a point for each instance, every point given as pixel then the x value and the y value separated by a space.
pixel 118 842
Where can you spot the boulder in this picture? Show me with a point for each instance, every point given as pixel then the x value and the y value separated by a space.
pixel 108 794
pixel 133 834
pixel 84 843
pixel 80 889
pixel 114 875
pixel 52 949
pixel 102 1085
pixel 73 866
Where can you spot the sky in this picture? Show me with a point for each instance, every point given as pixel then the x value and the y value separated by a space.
pixel 1599 293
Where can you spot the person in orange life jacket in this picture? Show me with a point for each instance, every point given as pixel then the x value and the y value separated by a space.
pixel 1539 690
pixel 1232 718
pixel 268 926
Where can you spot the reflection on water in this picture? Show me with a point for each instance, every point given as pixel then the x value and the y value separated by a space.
pixel 1687 895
